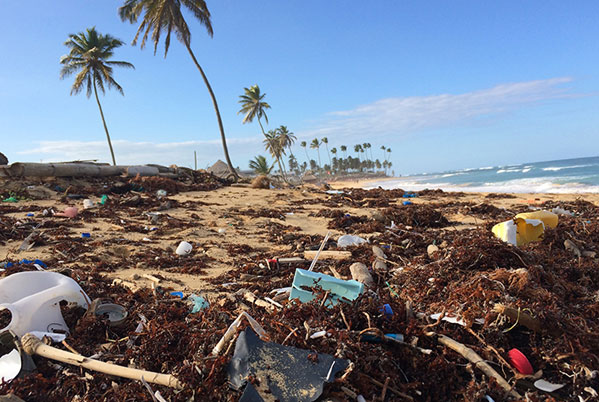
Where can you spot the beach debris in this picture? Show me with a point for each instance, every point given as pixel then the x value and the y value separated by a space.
pixel 525 227
pixel 161 193
pixel 547 386
pixel 198 303
pixel 337 289
pixel 561 211
pixel 10 365
pixel 116 314
pixel 349 240
pixel 327 255
pixel 12 199
pixel 285 372
pixel 572 247
pixel 33 299
pixel 88 204
pixel 232 330
pixel 184 248
pixel 431 250
pixel 360 273
pixel 69 212
pixel 520 362
pixel 34 346
pixel 261 182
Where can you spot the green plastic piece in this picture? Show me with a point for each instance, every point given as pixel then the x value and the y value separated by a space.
pixel 338 288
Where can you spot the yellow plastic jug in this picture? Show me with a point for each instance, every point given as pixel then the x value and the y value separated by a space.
pixel 525 228
pixel 549 218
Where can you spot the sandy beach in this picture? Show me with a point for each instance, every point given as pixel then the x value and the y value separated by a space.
pixel 237 234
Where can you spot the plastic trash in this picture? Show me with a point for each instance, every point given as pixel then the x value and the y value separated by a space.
pixel 184 248
pixel 87 204
pixel 30 214
pixel 525 228
pixel 33 300
pixel 547 386
pixel 14 361
pixel 349 240
pixel 338 288
pixel 86 235
pixel 69 212
pixel 199 303
pixel 359 272
pixel 561 211
pixel 288 373
pixel 116 314
pixel 520 362
pixel 386 310
pixel 407 203
pixel 161 193
pixel 103 200
pixel 177 294
pixel 10 199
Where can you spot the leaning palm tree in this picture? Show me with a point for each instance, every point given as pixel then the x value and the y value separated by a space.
pixel 260 165
pixel 253 105
pixel 165 16
pixel 316 145
pixel 343 149
pixel 89 57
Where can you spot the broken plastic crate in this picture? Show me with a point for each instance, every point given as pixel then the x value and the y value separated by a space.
pixel 338 288
pixel 525 228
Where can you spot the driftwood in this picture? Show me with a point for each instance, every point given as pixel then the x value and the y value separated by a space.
pixel 478 361
pixel 81 169
pixel 33 345
pixel 327 255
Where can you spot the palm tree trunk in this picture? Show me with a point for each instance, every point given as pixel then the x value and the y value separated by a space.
pixel 220 122
pixel 104 122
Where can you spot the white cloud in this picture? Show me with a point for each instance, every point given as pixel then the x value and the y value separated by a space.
pixel 131 152
pixel 404 116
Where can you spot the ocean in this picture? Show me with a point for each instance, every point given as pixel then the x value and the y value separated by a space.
pixel 580 175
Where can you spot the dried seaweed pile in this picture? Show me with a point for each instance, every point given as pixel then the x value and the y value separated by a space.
pixel 491 297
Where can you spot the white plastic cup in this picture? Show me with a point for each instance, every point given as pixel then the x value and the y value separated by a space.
pixel 184 248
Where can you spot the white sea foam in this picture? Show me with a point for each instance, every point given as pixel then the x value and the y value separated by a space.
pixel 558 168
pixel 533 185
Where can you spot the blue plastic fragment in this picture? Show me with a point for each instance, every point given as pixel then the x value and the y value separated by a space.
pixel 407 203
pixel 199 303
pixel 30 214
pixel 86 235
pixel 386 310
pixel 338 288
pixel 178 294
pixel 40 263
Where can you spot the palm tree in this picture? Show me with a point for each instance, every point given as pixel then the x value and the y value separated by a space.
pixel 165 16
pixel 325 141
pixel 357 148
pixel 286 137
pixel 316 145
pixel 253 105
pixel 89 57
pixel 384 148
pixel 335 162
pixel 273 145
pixel 303 145
pixel 260 165
pixel 388 154
pixel 343 149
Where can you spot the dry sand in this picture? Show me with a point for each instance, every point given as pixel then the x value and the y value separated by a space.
pixel 223 218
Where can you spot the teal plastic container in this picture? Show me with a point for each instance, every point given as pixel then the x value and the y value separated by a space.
pixel 338 288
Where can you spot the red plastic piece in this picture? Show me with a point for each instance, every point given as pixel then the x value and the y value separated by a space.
pixel 520 362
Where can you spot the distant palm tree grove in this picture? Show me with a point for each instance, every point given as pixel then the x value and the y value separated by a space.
pixel 280 140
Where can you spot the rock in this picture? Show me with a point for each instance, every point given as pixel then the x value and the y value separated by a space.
pixel 360 273
pixel 431 249
pixel 379 265
pixel 572 247
pixel 3 159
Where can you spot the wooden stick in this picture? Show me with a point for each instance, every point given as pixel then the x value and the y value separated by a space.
pixel 519 317
pixel 32 345
pixel 395 391
pixel 328 254
pixel 478 361
pixel 324 242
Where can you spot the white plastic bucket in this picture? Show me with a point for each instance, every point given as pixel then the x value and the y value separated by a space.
pixel 33 300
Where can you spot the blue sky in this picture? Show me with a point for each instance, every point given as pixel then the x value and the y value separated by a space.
pixel 445 84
